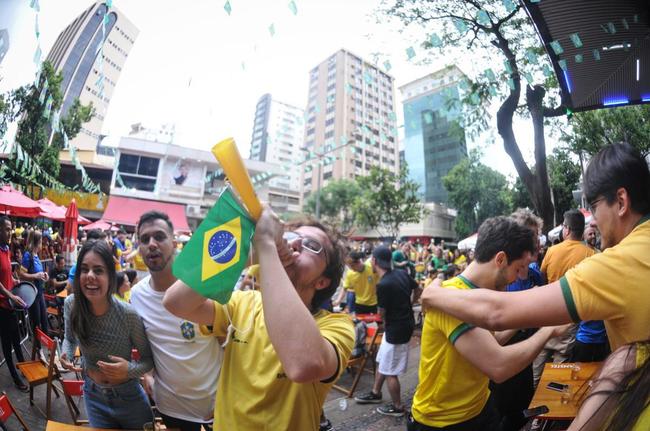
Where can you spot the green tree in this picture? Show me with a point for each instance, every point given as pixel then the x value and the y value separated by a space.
pixel 565 175
pixel 336 200
pixel 592 130
pixel 477 192
pixel 495 33
pixel 386 201
pixel 34 127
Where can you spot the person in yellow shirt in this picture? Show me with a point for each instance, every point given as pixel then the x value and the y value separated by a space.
pixel 362 280
pixel 457 360
pixel 611 286
pixel 250 281
pixel 283 353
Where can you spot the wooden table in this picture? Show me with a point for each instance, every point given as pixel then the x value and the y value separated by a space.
pixel 58 426
pixel 561 373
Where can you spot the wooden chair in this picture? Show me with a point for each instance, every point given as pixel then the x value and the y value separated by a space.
pixel 54 315
pixel 37 372
pixel 73 388
pixel 7 409
pixel 373 339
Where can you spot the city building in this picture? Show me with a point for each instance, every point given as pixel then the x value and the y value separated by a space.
pixel 183 182
pixel 4 43
pixel 76 55
pixel 350 122
pixel 278 136
pixel 433 141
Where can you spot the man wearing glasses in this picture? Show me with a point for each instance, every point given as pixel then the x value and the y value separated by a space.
pixel 283 352
pixel 610 286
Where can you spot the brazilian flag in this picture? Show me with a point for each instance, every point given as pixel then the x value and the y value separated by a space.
pixel 220 245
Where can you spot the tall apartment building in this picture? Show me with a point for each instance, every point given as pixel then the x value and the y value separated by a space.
pixel 75 54
pixel 4 43
pixel 433 142
pixel 278 135
pixel 350 123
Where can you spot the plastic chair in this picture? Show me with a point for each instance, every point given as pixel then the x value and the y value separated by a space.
pixel 7 409
pixel 37 372
pixel 373 339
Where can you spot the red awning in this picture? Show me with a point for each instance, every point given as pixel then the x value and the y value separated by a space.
pixel 127 211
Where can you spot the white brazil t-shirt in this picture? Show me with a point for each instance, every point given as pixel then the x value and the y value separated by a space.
pixel 187 363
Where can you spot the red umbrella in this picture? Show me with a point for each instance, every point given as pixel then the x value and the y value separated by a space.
pixel 70 233
pixel 13 202
pixel 99 224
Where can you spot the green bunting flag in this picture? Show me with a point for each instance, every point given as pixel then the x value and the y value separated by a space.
pixel 220 245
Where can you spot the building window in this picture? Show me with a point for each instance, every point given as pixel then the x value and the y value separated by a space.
pixel 138 172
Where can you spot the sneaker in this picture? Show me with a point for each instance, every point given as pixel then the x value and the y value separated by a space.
pixel 368 398
pixel 326 425
pixel 390 410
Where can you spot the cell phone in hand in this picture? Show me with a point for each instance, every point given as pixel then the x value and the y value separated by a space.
pixel 555 386
pixel 535 411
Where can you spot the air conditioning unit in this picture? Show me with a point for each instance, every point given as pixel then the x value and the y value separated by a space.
pixel 194 210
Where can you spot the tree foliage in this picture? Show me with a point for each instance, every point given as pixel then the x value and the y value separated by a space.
pixel 34 126
pixel 386 201
pixel 592 130
pixel 336 200
pixel 477 192
pixel 564 175
pixel 500 35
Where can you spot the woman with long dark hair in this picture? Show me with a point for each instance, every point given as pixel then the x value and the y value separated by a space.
pixel 619 399
pixel 31 269
pixel 106 331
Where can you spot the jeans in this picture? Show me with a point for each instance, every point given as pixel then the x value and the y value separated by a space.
pixel 123 406
pixel 38 311
pixel 349 301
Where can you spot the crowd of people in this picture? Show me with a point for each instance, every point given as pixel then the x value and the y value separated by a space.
pixel 491 318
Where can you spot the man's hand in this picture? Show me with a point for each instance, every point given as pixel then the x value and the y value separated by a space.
pixel 148 382
pixel 558 331
pixel 429 294
pixel 116 370
pixel 270 228
pixel 17 300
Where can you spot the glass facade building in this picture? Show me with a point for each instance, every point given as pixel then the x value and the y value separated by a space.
pixel 433 141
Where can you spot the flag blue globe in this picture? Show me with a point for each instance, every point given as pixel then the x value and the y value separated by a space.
pixel 222 246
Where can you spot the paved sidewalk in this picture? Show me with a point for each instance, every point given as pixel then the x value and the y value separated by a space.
pixel 364 416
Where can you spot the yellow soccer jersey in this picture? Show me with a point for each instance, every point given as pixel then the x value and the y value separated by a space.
pixel 253 392
pixel 364 285
pixel 613 286
pixel 564 256
pixel 450 389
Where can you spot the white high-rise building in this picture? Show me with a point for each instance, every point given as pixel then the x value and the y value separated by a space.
pixel 76 55
pixel 278 133
pixel 351 123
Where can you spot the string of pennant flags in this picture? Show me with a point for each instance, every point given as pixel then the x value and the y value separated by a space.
pixel 27 167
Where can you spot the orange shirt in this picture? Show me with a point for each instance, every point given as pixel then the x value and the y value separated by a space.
pixel 562 257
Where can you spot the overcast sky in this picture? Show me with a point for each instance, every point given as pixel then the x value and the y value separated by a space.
pixel 231 60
